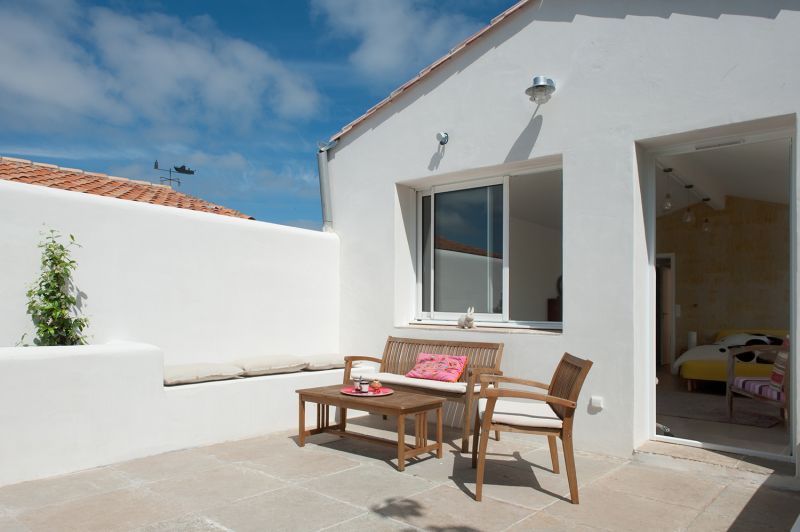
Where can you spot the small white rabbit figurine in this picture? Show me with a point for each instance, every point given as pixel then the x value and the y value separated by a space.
pixel 467 321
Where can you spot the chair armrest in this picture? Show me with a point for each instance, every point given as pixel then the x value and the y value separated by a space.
pixel 496 379
pixel 348 364
pixel 353 358
pixel 734 351
pixel 522 394
pixel 474 374
pixel 483 371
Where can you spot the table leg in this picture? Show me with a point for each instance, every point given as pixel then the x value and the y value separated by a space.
pixel 343 418
pixel 401 442
pixel 439 432
pixel 301 434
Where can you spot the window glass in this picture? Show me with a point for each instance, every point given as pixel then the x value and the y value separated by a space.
pixel 468 250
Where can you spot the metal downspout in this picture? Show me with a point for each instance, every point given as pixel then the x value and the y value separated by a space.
pixel 324 185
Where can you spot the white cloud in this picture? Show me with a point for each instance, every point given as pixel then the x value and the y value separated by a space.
pixel 66 67
pixel 394 37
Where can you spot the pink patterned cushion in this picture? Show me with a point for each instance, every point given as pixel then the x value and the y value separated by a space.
pixel 438 367
pixel 758 386
pixel 779 371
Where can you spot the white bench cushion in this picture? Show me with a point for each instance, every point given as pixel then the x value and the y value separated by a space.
pixel 393 378
pixel 269 365
pixel 324 361
pixel 523 414
pixel 189 373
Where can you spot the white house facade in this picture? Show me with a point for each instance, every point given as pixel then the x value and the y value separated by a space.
pixel 633 80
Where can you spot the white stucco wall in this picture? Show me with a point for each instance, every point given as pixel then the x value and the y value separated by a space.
pixel 625 71
pixel 201 287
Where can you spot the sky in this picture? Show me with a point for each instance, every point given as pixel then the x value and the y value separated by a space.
pixel 239 91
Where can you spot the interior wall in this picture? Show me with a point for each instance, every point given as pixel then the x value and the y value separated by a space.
pixel 736 275
pixel 535 265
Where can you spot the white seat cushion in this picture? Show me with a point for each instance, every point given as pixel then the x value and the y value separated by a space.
pixel 393 378
pixel 324 361
pixel 191 373
pixel 534 414
pixel 269 365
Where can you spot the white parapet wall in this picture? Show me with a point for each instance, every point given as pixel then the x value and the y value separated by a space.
pixel 203 287
pixel 65 409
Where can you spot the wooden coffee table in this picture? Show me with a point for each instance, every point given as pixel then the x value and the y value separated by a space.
pixel 399 404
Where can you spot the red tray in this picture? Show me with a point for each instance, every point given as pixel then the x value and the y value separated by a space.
pixel 349 390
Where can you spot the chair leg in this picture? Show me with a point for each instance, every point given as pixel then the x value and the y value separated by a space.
pixel 481 465
pixel 569 461
pixel 551 439
pixel 475 435
pixel 729 402
pixel 497 435
pixel 467 425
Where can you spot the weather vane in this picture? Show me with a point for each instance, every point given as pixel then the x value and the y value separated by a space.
pixel 182 169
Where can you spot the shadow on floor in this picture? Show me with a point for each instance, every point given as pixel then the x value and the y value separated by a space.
pixel 502 473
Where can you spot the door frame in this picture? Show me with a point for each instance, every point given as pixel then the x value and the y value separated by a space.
pixel 719 141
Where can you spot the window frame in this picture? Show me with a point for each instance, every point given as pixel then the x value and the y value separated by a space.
pixel 432 317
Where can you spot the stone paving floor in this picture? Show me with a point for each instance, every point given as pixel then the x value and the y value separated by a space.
pixel 270 483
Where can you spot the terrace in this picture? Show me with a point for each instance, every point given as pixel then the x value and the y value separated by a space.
pixel 334 484
pixel 99 443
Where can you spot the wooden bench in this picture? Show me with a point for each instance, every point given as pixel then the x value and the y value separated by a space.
pixel 400 355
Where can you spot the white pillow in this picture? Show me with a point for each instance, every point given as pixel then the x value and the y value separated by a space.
pixel 190 373
pixel 324 361
pixel 269 365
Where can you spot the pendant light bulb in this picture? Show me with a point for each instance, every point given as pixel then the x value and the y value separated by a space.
pixel 667 202
pixel 688 216
pixel 706 223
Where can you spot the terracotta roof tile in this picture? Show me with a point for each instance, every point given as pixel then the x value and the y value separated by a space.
pixel 48 175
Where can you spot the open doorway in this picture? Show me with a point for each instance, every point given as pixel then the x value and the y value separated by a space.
pixel 722 242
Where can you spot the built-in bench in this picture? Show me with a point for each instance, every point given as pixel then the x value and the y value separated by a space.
pixel 248 367
pixel 400 356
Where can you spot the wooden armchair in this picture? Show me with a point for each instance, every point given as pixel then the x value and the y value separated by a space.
pixel 759 388
pixel 551 415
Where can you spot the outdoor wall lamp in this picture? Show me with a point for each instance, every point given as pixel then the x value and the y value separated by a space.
pixel 541 89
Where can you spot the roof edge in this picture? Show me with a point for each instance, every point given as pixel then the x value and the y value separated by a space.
pixel 505 15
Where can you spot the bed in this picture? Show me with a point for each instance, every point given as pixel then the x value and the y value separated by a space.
pixel 708 362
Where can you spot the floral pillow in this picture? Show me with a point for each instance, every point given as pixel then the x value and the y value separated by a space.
pixel 778 377
pixel 443 368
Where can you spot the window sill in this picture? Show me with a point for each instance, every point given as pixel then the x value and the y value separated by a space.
pixel 483 328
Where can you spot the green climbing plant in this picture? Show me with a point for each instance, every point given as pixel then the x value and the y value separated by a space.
pixel 53 298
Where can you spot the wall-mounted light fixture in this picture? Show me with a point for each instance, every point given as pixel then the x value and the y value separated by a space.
pixel 541 89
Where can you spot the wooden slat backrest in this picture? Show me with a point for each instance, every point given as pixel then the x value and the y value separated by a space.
pixel 567 382
pixel 400 354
